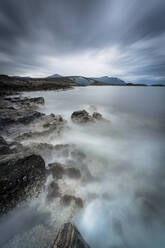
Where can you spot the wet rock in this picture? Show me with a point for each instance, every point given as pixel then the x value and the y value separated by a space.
pixel 21 177
pixel 53 191
pixel 47 151
pixel 67 199
pixel 79 202
pixel 73 173
pixel 13 116
pixel 97 116
pixel 4 147
pixel 69 237
pixel 57 170
pixel 47 125
pixel 38 100
pixel 81 117
pixel 2 141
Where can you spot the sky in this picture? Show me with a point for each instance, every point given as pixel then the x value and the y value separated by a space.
pixel 121 38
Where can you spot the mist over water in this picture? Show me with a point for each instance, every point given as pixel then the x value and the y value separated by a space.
pixel 124 201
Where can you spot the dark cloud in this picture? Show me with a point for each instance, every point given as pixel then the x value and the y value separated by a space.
pixel 125 38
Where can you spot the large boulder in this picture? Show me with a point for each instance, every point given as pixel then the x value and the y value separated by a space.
pixel 82 116
pixel 69 237
pixel 20 177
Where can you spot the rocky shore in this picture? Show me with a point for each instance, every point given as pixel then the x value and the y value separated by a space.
pixel 24 159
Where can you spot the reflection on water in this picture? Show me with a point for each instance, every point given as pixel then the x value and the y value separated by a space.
pixel 124 202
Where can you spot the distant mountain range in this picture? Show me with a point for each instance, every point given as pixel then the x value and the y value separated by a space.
pixel 93 81
pixel 105 80
pixel 109 80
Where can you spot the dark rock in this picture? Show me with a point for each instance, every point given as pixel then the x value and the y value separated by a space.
pixel 2 141
pixel 53 191
pixel 79 202
pixel 57 170
pixel 67 199
pixel 81 117
pixel 21 177
pixel 69 237
pixel 97 116
pixel 17 116
pixel 73 173
pixel 38 100
pixel 4 147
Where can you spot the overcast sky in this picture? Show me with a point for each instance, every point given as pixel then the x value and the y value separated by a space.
pixel 123 38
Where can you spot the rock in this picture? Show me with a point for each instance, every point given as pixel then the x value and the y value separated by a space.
pixel 4 147
pixel 38 100
pixel 2 141
pixel 51 124
pixel 17 117
pixel 21 177
pixel 57 170
pixel 73 173
pixel 69 237
pixel 97 116
pixel 67 199
pixel 53 191
pixel 79 202
pixel 81 117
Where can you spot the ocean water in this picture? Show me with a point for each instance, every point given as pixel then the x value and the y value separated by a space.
pixel 124 200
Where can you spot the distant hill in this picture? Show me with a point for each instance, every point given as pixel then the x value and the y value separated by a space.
pixel 55 76
pixel 82 80
pixel 109 80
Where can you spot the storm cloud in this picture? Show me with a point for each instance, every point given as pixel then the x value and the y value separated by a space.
pixel 88 38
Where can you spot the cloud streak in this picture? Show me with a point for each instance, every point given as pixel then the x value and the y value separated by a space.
pixel 90 38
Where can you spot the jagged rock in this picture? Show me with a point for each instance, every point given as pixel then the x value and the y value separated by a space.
pixel 81 117
pixel 2 141
pixel 51 124
pixel 38 100
pixel 13 116
pixel 4 147
pixel 21 177
pixel 69 237
pixel 97 116
pixel 67 199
